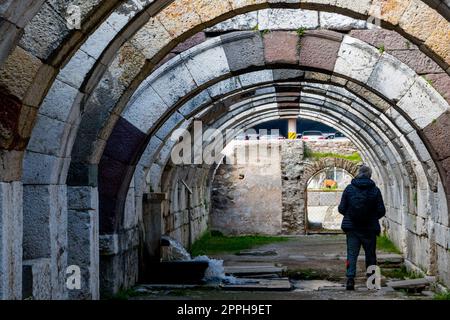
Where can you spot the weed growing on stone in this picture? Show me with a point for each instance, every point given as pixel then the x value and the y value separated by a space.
pixel 442 296
pixel 301 31
pixel 355 157
pixel 399 273
pixel 381 48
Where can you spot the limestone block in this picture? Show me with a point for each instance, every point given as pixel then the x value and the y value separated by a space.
pixel 59 101
pixel 45 231
pixel 44 33
pixel 151 38
pixel 41 169
pixel 335 21
pixel 391 78
pixel 145 109
pixel 442 235
pixel 18 72
pixel 420 20
pixel 127 65
pixel 439 40
pixel 207 65
pixel 356 59
pixel 422 103
pixel 179 17
pixel 287 19
pixel 247 21
pixel 8 33
pixel 11 169
pixel 178 76
pixel 224 87
pixel 443 262
pixel 77 69
pixel 19 12
pixel 195 103
pixel 208 10
pixel 11 220
pixel 37 279
pixel 100 39
pixel 362 6
pixel 239 4
pixel 248 79
pixel 243 50
pixel 389 10
pixel 170 125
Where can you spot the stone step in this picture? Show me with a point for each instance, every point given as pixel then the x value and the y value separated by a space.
pixel 253 270
pixel 415 284
pixel 260 285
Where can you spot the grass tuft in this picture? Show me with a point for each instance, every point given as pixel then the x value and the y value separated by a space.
pixel 386 245
pixel 355 157
pixel 215 242
pixel 442 296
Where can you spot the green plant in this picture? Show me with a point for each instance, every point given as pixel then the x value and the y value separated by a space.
pixel 309 274
pixel 215 242
pixel 429 81
pixel 308 154
pixel 256 28
pixel 442 296
pixel 301 31
pixel 400 273
pixel 381 48
pixel 408 44
pixel 386 245
pixel 265 32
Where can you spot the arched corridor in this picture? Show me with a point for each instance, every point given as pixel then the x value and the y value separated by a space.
pixel 89 119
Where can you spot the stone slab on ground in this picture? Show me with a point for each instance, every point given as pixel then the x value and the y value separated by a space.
pixel 260 285
pixel 257 253
pixel 417 284
pixel 252 270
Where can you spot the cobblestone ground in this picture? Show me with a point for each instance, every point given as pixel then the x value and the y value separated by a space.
pixel 319 255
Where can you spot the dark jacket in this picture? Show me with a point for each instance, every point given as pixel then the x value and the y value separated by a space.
pixel 377 208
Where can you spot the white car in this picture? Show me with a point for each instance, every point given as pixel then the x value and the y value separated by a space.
pixel 313 136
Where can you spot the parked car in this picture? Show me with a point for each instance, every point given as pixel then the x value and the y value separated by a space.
pixel 313 136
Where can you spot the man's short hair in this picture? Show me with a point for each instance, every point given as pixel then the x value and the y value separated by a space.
pixel 365 172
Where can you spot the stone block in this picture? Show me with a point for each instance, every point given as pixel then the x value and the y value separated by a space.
pixel 419 20
pixel 247 21
pixel 18 71
pixel 422 103
pixel 224 87
pixel 145 109
pixel 179 17
pixel 440 82
pixel 195 103
pixel 59 101
pixel 287 19
pixel 390 40
pixel 335 21
pixel 362 6
pixel 208 10
pixel 391 78
pixel 151 38
pixel 243 50
pixel 249 79
pixel 206 65
pixel 42 169
pixel 11 220
pixel 417 60
pixel 99 40
pixel 281 47
pixel 356 59
pixel 178 76
pixel 389 10
pixel 44 33
pixel 170 125
pixel 37 279
pixel 77 69
pixel 438 133
pixel 320 50
pixel 439 39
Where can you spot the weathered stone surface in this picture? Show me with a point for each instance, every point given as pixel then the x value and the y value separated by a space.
pixel 37 279
pixel 224 87
pixel 207 65
pixel 145 109
pixel 281 47
pixel 247 21
pixel 42 169
pixel 45 231
pixel 391 78
pixel 243 50
pixel 58 102
pixel 208 10
pixel 356 59
pixel 422 103
pixel 287 19
pixel 320 50
pixel 18 72
pixel 151 38
pixel 11 240
pixel 439 40
pixel 440 82
pixel 417 60
pixel 437 134
pixel 389 39
pixel 179 17
pixel 194 103
pixel 77 69
pixel 389 10
pixel 419 11
pixel 362 6
pixel 334 21
pixel 44 33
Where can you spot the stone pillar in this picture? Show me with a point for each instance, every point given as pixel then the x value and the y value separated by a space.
pixel 11 241
pixel 45 232
pixel 83 240
pixel 292 130
pixel 293 192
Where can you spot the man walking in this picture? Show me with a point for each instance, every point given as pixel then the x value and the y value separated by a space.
pixel 362 207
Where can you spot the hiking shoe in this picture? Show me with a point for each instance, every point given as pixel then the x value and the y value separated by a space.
pixel 350 284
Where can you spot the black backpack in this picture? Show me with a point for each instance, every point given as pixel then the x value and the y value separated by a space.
pixel 361 204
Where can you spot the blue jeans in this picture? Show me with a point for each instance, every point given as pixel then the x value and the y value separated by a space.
pixel 355 240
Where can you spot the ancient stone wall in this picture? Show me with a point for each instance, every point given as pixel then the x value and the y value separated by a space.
pixel 345 147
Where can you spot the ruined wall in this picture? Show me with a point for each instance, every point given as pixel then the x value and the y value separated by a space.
pixel 344 147
pixel 246 198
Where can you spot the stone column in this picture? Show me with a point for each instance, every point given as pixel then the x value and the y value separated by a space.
pixel 11 241
pixel 83 240
pixel 45 232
